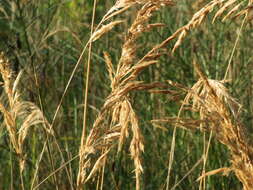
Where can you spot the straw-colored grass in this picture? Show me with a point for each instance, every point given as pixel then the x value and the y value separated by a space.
pixel 19 115
pixel 207 106
pixel 117 115
pixel 219 113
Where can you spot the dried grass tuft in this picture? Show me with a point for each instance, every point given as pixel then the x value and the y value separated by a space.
pixel 219 113
pixel 197 19
pixel 117 118
pixel 19 115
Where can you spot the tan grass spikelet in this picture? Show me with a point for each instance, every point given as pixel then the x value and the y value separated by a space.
pixel 185 123
pixel 115 10
pixel 97 165
pixel 9 116
pixel 32 117
pixel 202 92
pixel 124 3
pixel 10 125
pixel 224 171
pixel 222 9
pixel 104 29
pixel 246 11
pixel 124 114
pixel 6 75
pixel 109 65
pixel 232 11
pixel 136 146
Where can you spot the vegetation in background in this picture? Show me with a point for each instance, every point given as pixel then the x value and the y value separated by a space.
pixel 132 94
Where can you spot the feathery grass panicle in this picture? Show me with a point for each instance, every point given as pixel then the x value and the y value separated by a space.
pixel 219 113
pixel 18 110
pixel 219 106
pixel 9 116
pixel 117 117
pixel 199 17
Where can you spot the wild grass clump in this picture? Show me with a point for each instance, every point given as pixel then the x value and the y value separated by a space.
pixel 19 115
pixel 219 113
pixel 117 116
pixel 222 113
pixel 45 51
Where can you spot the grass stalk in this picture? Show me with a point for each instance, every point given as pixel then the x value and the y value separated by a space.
pixel 86 87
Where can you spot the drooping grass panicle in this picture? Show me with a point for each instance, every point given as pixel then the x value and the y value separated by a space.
pixel 117 117
pixel 198 18
pixel 219 113
pixel 19 115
